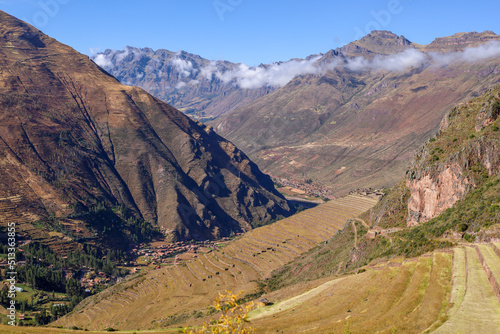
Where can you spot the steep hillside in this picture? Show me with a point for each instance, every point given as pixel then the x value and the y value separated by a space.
pixel 74 141
pixel 463 158
pixel 183 80
pixel 446 291
pixel 358 124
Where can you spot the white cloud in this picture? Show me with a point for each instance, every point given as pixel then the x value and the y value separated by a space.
pixel 397 62
pixel 274 75
pixel 208 71
pixel 103 61
pixel 469 55
pixel 180 85
pixel 120 55
pixel 414 58
pixel 184 67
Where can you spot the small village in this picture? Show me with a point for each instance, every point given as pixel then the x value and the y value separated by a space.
pixel 303 188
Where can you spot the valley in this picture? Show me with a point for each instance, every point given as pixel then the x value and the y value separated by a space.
pixel 351 191
pixel 239 265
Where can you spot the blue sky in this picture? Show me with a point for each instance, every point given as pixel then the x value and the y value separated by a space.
pixel 249 31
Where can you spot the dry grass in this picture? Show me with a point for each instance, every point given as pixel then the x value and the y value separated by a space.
pixel 405 299
pixel 492 260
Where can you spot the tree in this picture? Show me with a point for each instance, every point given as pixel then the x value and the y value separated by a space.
pixel 233 317
pixel 73 288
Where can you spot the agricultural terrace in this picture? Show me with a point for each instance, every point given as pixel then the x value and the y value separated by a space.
pixel 447 291
pixel 181 293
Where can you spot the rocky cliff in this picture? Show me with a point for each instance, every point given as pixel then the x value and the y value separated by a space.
pixel 464 153
pixel 72 137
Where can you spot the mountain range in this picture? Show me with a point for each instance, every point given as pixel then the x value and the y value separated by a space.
pixel 346 119
pixel 194 85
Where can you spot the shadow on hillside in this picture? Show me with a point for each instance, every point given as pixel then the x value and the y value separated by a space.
pixel 299 205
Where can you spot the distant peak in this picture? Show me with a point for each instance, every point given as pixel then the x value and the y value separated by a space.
pixel 385 37
pixel 377 42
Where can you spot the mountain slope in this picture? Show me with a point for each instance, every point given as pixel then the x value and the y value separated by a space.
pixel 449 196
pixel 359 124
pixel 72 137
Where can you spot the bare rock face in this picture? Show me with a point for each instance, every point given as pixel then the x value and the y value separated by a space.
pixel 72 136
pixel 488 114
pixel 431 193
pixel 437 181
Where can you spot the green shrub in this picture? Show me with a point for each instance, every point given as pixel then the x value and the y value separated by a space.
pixel 469 237
pixel 463 227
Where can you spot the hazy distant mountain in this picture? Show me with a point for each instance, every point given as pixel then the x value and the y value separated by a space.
pixel 200 88
pixel 73 140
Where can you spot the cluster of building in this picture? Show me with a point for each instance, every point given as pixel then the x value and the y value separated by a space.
pixel 91 279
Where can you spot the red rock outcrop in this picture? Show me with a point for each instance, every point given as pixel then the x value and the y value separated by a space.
pixel 432 193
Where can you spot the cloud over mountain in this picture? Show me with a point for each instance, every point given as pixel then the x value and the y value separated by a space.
pixel 279 74
pixel 275 75
pixel 412 58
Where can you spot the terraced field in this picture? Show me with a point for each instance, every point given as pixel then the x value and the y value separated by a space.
pixel 447 291
pixel 12 211
pixel 172 294
pixel 444 292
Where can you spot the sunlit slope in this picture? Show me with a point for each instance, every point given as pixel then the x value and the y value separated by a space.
pixel 442 292
pixel 172 294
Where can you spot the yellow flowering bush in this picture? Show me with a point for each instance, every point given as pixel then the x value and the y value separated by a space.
pixel 233 319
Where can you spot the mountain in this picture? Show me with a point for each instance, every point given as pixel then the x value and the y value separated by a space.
pixel 81 153
pixel 356 122
pixel 194 85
